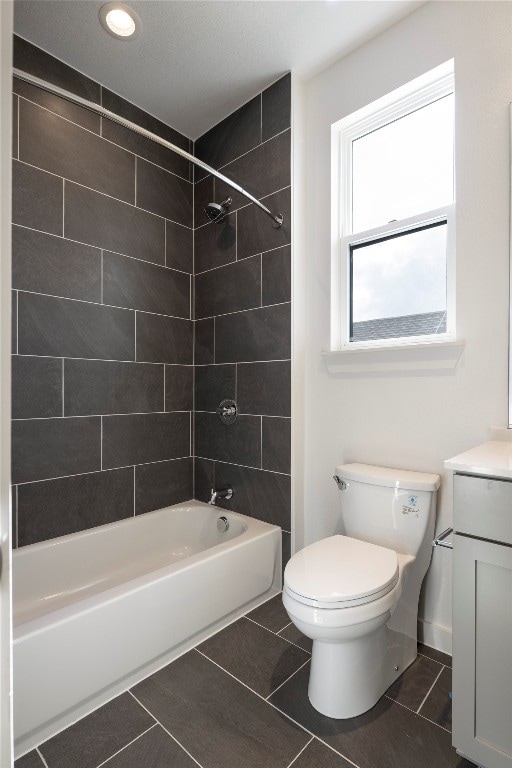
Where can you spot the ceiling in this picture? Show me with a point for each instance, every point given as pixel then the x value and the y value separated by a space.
pixel 195 61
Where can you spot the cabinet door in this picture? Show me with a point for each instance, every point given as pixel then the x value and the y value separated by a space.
pixel 482 651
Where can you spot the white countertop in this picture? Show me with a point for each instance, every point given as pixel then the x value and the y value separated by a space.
pixel 492 459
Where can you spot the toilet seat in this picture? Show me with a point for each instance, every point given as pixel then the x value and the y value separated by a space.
pixel 341 572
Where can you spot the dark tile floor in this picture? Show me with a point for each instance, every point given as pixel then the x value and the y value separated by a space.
pixel 239 700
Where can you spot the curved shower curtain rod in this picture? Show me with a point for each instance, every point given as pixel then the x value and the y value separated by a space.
pixel 277 219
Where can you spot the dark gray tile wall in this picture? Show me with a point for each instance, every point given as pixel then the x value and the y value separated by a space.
pixel 102 331
pixel 243 311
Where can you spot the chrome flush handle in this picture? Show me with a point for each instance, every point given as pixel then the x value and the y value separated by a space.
pixel 339 482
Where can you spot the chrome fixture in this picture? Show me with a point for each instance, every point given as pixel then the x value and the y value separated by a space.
pixel 339 482
pixel 227 411
pixel 439 540
pixel 217 212
pixel 277 219
pixel 222 524
pixel 226 492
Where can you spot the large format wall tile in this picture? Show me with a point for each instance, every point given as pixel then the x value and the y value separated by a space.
pixel 214 383
pixel 97 219
pixel 261 171
pixel 179 247
pixel 239 442
pixel 164 193
pixel 162 484
pixel 48 264
pixel 126 109
pixel 140 439
pixel 258 334
pixel 275 444
pixel 45 448
pixel 215 244
pixel 264 388
pixel 179 387
pixel 258 493
pixel 36 198
pixel 36 387
pixel 96 387
pixel 57 105
pixel 276 107
pixel 35 61
pixel 255 230
pixel 99 283
pixel 51 143
pixel 204 341
pixel 276 276
pixel 236 134
pixel 229 289
pixel 64 328
pixel 163 339
pixel 137 284
pixel 52 508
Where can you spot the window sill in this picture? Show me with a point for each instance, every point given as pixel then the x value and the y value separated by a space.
pixel 434 356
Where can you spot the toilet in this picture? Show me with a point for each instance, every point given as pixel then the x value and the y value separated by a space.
pixel 356 595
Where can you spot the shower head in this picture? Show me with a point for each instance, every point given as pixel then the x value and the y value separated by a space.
pixel 218 211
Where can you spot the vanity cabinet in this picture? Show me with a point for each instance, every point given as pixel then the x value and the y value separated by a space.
pixel 482 620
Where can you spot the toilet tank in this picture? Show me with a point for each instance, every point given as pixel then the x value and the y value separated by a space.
pixel 391 507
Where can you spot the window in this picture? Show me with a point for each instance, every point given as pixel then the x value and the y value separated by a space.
pixel 393 211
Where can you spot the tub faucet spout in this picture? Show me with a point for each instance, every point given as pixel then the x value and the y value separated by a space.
pixel 226 492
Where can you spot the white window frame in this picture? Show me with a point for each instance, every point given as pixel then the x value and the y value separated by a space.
pixel 419 93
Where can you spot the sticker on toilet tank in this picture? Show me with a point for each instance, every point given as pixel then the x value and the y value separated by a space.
pixel 410 507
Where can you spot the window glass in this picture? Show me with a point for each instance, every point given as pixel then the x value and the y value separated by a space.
pixel 399 285
pixel 403 168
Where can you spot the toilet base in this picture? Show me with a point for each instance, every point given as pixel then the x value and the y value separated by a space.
pixel 347 679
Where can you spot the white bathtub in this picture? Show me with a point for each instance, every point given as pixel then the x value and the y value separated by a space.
pixel 97 611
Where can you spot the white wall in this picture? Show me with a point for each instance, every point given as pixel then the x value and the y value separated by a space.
pixel 417 421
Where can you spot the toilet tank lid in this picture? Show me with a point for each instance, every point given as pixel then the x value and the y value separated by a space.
pixel 386 476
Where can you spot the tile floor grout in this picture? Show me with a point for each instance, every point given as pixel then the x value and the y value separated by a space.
pixel 429 690
pixel 300 753
pixel 277 633
pixel 165 729
pixel 416 713
pixel 127 745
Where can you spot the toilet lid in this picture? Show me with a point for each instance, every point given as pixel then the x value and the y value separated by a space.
pixel 341 570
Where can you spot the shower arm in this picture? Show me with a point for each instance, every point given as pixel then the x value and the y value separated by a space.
pixel 92 107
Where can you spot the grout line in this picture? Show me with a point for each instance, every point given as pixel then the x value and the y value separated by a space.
pixel 111 306
pixel 105 194
pixel 240 413
pixel 164 728
pixel 105 139
pixel 165 377
pixel 219 365
pixel 102 415
pixel 257 146
pixel 308 660
pixel 424 655
pixel 101 443
pixel 250 202
pixel 241 682
pixel 225 314
pixel 96 471
pixel 300 753
pixel 276 633
pixel 245 466
pixel 230 263
pixel 42 758
pixel 416 713
pixel 104 360
pixel 63 414
pixel 103 762
pixel 429 691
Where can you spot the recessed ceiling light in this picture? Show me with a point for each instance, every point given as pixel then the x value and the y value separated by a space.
pixel 119 20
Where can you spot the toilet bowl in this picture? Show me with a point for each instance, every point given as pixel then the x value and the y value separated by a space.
pixel 357 599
